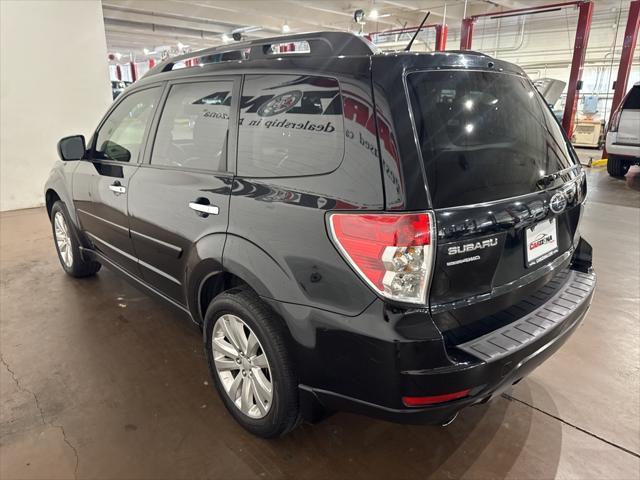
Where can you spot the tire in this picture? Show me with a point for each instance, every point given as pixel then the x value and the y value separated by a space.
pixel 65 238
pixel 617 167
pixel 277 415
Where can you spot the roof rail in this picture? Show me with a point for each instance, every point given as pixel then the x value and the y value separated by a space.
pixel 321 44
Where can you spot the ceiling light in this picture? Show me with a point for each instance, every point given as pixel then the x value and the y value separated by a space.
pixel 146 51
pixel 285 28
pixel 180 45
pixel 118 55
pixel 225 38
pixel 373 14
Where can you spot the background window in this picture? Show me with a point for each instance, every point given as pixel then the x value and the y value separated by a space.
pixel 290 125
pixel 194 128
pixel 632 102
pixel 122 134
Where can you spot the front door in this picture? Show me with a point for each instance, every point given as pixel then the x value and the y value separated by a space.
pixel 179 200
pixel 101 184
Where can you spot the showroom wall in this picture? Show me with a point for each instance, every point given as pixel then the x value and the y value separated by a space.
pixel 54 82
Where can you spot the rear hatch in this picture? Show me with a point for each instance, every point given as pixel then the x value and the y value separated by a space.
pixel 505 187
pixel 629 124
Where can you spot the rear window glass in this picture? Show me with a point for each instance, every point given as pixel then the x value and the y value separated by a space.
pixel 290 125
pixel 484 136
pixel 194 128
pixel 632 102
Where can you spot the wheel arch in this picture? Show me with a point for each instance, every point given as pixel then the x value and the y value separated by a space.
pixel 209 287
pixel 58 188
pixel 51 197
pixel 244 265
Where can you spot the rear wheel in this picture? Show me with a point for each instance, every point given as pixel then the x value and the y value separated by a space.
pixel 250 364
pixel 617 166
pixel 67 245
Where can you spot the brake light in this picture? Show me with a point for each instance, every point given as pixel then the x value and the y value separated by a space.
pixel 393 253
pixel 615 120
pixel 433 399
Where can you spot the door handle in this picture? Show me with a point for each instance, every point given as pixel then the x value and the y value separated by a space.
pixel 116 188
pixel 204 209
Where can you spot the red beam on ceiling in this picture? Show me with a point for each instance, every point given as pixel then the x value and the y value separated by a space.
pixel 577 63
pixel 626 58
pixel 441 38
pixel 134 71
pixel 466 36
pixel 527 9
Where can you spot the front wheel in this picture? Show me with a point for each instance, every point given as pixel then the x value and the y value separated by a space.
pixel 617 166
pixel 67 244
pixel 245 344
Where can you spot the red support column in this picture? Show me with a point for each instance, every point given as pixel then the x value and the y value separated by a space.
pixel 118 72
pixel 466 35
pixel 626 58
pixel 152 63
pixel 575 78
pixel 134 71
pixel 441 37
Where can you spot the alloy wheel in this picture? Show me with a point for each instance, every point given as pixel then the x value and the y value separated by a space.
pixel 242 366
pixel 63 239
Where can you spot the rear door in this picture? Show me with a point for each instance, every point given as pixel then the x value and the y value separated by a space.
pixel 101 184
pixel 503 180
pixel 180 195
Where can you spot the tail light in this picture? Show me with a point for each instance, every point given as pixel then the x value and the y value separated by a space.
pixel 392 253
pixel 615 120
pixel 432 400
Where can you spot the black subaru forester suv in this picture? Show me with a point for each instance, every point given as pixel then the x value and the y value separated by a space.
pixel 392 234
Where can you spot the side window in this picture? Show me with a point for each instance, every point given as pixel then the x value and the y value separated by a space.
pixel 122 134
pixel 194 128
pixel 632 102
pixel 290 125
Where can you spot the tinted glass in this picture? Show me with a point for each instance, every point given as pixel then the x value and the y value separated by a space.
pixel 194 127
pixel 632 102
pixel 290 125
pixel 120 137
pixel 484 136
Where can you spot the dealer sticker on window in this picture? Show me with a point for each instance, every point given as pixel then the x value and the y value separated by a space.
pixel 541 242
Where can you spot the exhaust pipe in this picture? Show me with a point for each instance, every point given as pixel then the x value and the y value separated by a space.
pixel 450 421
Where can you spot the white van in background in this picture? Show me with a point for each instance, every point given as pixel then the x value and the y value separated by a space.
pixel 623 135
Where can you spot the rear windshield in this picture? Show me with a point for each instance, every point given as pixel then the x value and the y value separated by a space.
pixel 484 136
pixel 632 102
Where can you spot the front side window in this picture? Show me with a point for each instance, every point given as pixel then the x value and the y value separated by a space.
pixel 121 136
pixel 484 136
pixel 290 125
pixel 194 128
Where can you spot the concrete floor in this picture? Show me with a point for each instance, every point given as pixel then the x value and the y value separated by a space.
pixel 99 381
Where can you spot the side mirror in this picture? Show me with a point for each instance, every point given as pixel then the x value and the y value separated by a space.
pixel 72 148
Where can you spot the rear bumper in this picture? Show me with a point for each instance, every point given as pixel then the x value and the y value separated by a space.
pixel 622 149
pixel 487 365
